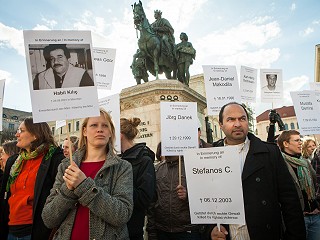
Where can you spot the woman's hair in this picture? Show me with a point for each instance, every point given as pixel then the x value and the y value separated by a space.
pixel 285 137
pixel 128 127
pixel 305 144
pixel 10 147
pixel 112 139
pixel 158 152
pixel 41 131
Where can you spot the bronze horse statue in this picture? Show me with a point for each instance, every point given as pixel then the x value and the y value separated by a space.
pixel 150 46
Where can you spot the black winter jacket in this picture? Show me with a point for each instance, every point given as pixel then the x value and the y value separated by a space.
pixel 169 213
pixel 144 184
pixel 269 194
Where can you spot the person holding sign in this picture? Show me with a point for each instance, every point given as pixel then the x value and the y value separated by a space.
pixel 27 181
pixel 269 193
pixel 92 197
pixel 144 178
pixel 169 216
pixel 60 73
pixel 304 175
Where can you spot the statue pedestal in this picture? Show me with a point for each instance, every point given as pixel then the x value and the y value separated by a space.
pixel 143 101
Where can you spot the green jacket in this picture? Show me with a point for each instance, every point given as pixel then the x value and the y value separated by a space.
pixel 109 196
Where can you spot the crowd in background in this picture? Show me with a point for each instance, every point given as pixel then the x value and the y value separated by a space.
pixel 137 195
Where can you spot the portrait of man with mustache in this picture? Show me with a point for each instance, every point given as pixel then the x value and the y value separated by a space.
pixel 60 73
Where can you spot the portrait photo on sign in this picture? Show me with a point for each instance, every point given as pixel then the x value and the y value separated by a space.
pixel 270 82
pixel 55 66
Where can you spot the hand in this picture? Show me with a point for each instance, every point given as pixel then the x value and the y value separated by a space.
pixel 217 235
pixel 73 176
pixel 273 116
pixel 182 192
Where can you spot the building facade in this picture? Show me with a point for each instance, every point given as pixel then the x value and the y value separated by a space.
pixel 287 115
pixel 11 120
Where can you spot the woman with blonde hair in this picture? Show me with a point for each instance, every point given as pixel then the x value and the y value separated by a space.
pixel 91 197
pixel 308 147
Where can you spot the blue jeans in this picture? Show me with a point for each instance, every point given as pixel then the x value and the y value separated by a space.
pixel 312 223
pixel 193 235
pixel 12 237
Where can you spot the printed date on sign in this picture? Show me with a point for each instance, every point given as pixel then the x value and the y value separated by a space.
pixel 173 138
pixel 215 200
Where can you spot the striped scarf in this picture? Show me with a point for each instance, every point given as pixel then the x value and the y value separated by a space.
pixel 44 149
pixel 304 174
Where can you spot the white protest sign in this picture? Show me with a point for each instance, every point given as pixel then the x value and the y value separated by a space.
pixel 248 84
pixel 112 105
pixel 2 84
pixel 307 111
pixel 179 127
pixel 61 75
pixel 104 59
pixel 222 87
pixel 271 85
pixel 60 123
pixel 315 86
pixel 214 185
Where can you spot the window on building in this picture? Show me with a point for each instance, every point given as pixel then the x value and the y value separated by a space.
pixel 11 127
pixel 69 127
pixel 61 130
pixel 297 125
pixel 53 129
pixel 4 115
pixel 286 126
pixel 14 117
pixel 215 131
pixel 292 125
pixel 77 125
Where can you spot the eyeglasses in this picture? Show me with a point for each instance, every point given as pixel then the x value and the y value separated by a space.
pixel 297 140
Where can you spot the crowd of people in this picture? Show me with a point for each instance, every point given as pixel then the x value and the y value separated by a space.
pixel 88 191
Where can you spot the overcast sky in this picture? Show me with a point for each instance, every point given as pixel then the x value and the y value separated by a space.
pixel 258 34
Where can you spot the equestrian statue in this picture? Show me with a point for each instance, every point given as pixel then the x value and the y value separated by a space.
pixel 156 52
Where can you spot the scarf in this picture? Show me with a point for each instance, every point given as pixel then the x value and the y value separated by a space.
pixel 43 149
pixel 304 174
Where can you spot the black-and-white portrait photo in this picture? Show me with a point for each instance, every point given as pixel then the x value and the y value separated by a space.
pixel 271 81
pixel 60 66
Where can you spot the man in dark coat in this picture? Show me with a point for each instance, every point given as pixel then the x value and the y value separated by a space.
pixel 268 190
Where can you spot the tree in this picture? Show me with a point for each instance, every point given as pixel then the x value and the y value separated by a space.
pixel 251 119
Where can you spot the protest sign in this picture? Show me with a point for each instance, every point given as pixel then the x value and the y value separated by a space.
pixel 112 105
pixel 61 75
pixel 219 199
pixel 222 87
pixel 104 59
pixel 60 123
pixel 179 127
pixel 2 84
pixel 307 111
pixel 248 84
pixel 271 85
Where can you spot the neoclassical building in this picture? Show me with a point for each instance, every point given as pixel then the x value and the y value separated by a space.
pixel 287 115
